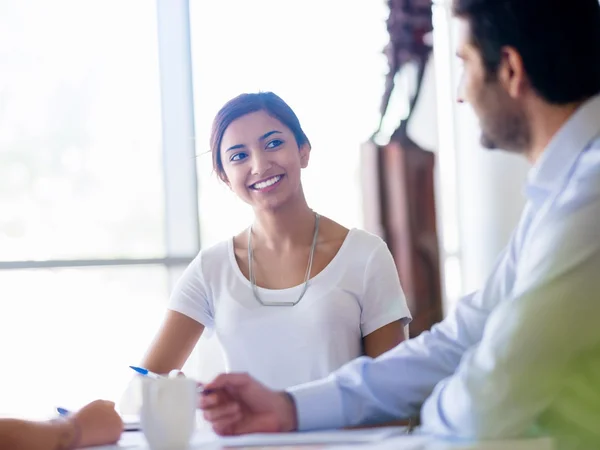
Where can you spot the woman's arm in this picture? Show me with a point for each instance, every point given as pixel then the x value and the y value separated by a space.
pixel 173 343
pixel 384 312
pixel 169 350
pixel 96 424
pixel 384 339
pixel 379 342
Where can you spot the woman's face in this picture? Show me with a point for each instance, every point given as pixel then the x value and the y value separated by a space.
pixel 262 161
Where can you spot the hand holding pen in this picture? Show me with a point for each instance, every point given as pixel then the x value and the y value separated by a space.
pixel 63 412
pixel 172 374
pixel 95 424
pixel 134 425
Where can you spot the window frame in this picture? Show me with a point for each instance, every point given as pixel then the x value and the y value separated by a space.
pixel 180 183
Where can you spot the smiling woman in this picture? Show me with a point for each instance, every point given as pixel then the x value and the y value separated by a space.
pixel 254 165
pixel 295 295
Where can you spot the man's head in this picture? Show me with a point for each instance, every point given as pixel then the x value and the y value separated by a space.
pixel 518 50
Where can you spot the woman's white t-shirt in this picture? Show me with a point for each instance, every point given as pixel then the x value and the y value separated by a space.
pixel 282 346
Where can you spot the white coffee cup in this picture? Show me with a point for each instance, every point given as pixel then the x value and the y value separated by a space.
pixel 168 413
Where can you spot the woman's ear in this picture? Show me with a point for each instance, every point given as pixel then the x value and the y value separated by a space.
pixel 304 155
pixel 224 179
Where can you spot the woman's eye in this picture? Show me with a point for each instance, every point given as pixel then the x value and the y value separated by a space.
pixel 238 157
pixel 274 143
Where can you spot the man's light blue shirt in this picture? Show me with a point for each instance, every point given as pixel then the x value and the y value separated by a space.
pixel 520 356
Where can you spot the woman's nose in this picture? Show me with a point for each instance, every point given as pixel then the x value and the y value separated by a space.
pixel 260 163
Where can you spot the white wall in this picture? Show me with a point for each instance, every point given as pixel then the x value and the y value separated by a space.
pixel 490 199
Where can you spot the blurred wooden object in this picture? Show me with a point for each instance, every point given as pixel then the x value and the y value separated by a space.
pixel 399 205
pixel 398 178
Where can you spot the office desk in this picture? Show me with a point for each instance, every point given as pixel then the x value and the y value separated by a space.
pixel 336 440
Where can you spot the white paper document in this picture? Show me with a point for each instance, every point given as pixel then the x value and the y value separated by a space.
pixel 392 438
pixel 206 440
pixel 330 437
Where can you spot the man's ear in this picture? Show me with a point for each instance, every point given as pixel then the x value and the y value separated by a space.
pixel 511 72
pixel 304 155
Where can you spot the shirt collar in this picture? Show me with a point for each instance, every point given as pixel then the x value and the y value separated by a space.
pixel 558 158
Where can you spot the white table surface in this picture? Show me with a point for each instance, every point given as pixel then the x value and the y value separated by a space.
pixel 397 441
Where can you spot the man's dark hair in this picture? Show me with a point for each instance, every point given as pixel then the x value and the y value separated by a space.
pixel 558 40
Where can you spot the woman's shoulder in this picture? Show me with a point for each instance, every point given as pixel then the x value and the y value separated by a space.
pixel 355 241
pixel 218 250
pixel 366 239
pixel 211 259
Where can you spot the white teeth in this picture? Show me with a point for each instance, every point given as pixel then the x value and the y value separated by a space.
pixel 266 183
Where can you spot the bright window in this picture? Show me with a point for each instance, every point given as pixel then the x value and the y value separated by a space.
pixel 80 139
pixel 81 184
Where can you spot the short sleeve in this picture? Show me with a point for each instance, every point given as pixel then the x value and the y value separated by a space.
pixel 383 300
pixel 191 296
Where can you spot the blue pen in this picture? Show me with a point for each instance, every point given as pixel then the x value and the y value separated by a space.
pixel 145 372
pixel 148 373
pixel 129 424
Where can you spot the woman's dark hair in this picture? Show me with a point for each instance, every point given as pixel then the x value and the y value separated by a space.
pixel 558 40
pixel 244 104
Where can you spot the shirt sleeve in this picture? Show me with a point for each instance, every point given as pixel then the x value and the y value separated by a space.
pixel 535 341
pixel 383 300
pixel 191 295
pixel 395 385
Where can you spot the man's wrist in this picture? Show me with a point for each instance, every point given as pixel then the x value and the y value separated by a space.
pixel 290 421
